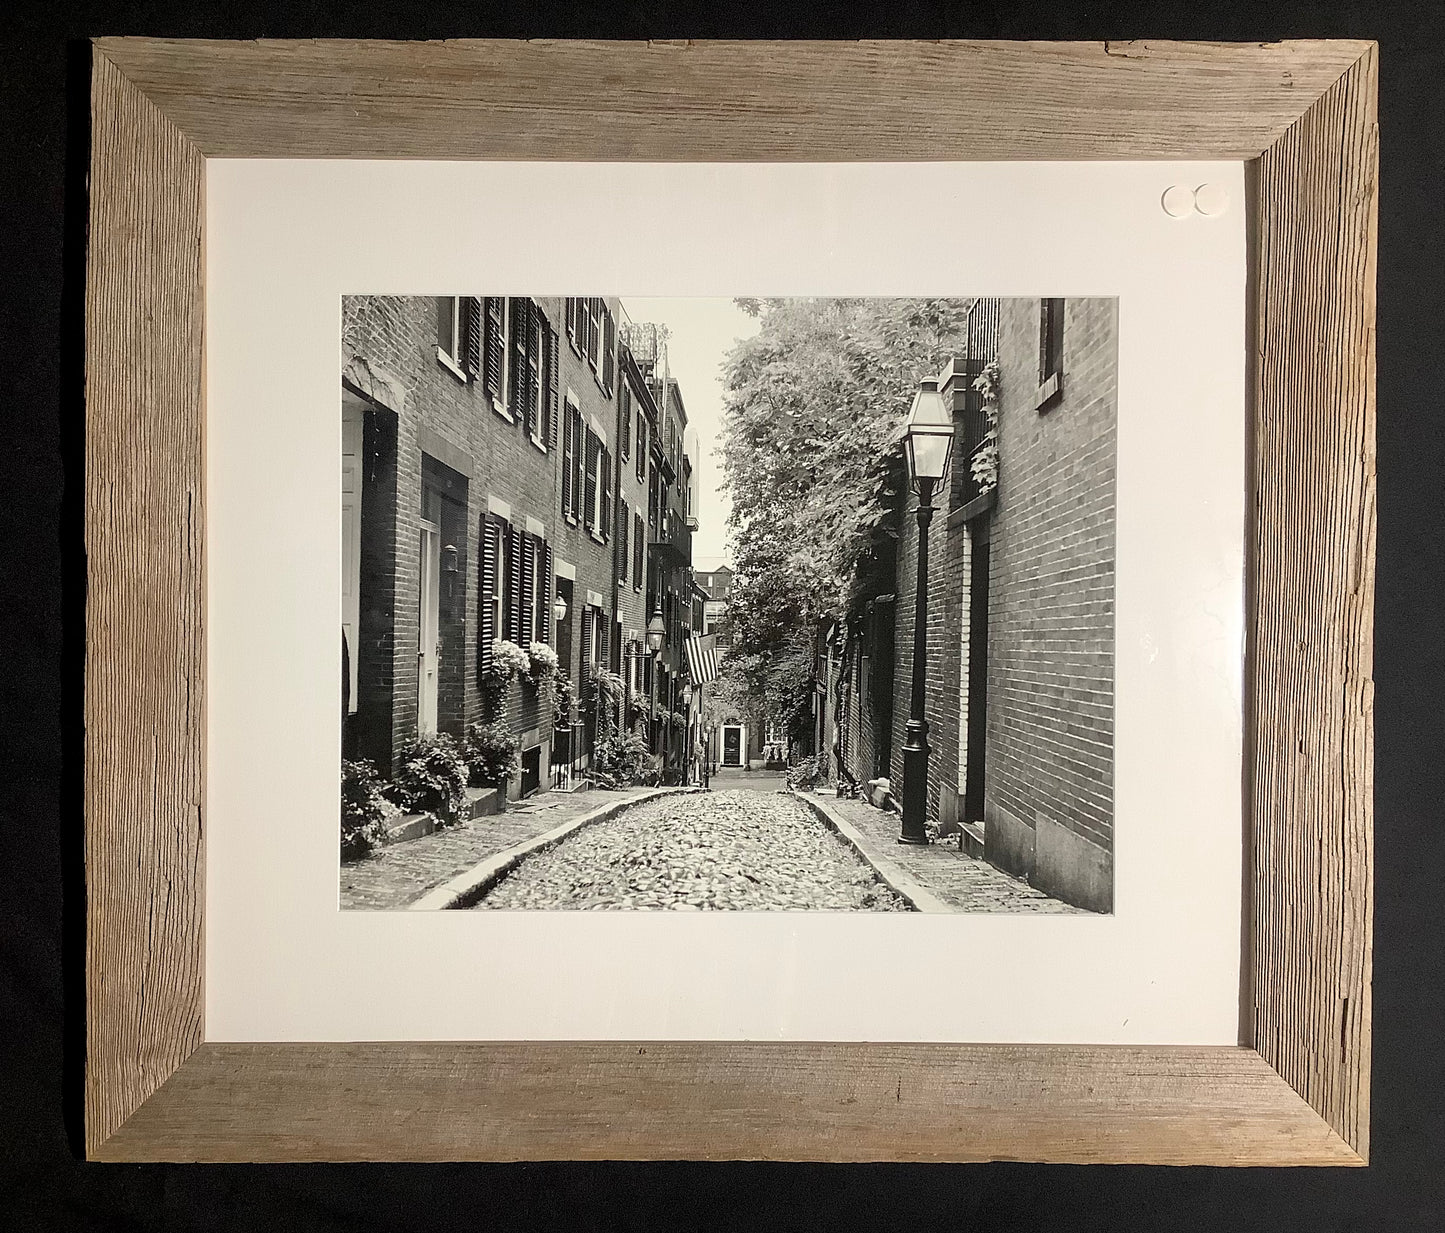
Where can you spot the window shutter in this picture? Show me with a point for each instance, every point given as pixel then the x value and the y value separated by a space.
pixel 518 399
pixel 641 448
pixel 579 453
pixel 494 355
pixel 569 449
pixel 527 594
pixel 604 476
pixel 624 447
pixel 639 548
pixel 536 359
pixel 609 348
pixel 486 625
pixel 594 330
pixel 624 539
pixel 514 585
pixel 590 489
pixel 474 336
pixel 585 677
pixel 545 615
pixel 553 359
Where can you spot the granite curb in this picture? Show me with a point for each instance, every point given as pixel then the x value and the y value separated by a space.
pixel 468 887
pixel 891 875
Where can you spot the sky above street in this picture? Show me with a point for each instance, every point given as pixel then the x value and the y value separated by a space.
pixel 702 332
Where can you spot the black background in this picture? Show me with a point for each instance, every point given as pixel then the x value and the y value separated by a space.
pixel 45 1184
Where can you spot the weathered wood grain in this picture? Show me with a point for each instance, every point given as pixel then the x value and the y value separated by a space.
pixel 709 101
pixel 1309 108
pixel 767 1101
pixel 145 632
pixel 1313 602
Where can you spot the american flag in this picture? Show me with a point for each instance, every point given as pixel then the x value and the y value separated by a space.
pixel 702 658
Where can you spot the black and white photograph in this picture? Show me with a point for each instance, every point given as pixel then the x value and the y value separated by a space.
pixel 728 604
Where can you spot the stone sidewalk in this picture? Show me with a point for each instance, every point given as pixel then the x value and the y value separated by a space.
pixel 391 877
pixel 962 882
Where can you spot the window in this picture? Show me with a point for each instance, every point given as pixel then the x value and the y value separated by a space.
pixel 572 449
pixel 641 448
pixel 459 334
pixel 589 473
pixel 1051 352
pixel 495 587
pixel 594 332
pixel 574 318
pixel 536 599
pixel 604 490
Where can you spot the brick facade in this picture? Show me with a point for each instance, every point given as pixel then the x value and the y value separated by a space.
pixel 436 438
pixel 1050 738
pixel 1044 641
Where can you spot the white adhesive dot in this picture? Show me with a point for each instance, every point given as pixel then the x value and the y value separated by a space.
pixel 1178 201
pixel 1211 199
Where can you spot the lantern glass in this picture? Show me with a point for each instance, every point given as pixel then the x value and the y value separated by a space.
pixel 656 633
pixel 929 433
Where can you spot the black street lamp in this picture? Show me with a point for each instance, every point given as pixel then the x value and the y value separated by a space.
pixel 656 636
pixel 929 439
pixel 687 733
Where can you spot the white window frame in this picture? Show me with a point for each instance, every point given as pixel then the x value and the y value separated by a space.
pixel 452 360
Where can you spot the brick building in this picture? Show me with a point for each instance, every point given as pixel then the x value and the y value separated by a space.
pixel 482 460
pixel 1020 684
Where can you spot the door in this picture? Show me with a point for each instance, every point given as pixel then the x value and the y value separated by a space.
pixel 352 422
pixel 732 745
pixel 977 681
pixel 428 653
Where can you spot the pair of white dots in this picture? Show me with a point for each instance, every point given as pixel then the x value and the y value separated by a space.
pixel 1180 201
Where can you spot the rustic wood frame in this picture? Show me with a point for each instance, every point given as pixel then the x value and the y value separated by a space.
pixel 1296 1091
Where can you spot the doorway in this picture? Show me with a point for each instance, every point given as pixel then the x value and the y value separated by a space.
pixel 732 741
pixel 973 789
pixel 428 654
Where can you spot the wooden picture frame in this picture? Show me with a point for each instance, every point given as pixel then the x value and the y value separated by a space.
pixel 1296 1091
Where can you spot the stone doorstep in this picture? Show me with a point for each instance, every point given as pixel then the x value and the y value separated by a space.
pixel 468 887
pixel 970 839
pixel 481 803
pixel 892 875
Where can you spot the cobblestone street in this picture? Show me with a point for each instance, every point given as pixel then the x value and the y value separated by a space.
pixel 392 877
pixel 729 849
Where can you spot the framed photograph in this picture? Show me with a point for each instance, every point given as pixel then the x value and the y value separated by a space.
pixel 854 613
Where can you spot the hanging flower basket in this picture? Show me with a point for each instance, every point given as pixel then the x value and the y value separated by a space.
pixel 541 663
pixel 509 661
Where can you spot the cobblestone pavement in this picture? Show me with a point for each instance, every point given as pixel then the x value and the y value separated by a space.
pixel 723 849
pixel 963 882
pixel 730 778
pixel 390 878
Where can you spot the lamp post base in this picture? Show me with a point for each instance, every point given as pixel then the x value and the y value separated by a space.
pixel 915 784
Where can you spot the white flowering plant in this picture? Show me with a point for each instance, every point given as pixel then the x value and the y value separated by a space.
pixel 541 662
pixel 508 662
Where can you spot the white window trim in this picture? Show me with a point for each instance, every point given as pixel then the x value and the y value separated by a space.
pixel 451 360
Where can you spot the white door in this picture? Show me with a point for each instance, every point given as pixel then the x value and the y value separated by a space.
pixel 351 435
pixel 428 653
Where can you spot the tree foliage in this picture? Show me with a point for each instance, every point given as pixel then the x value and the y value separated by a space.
pixel 812 447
